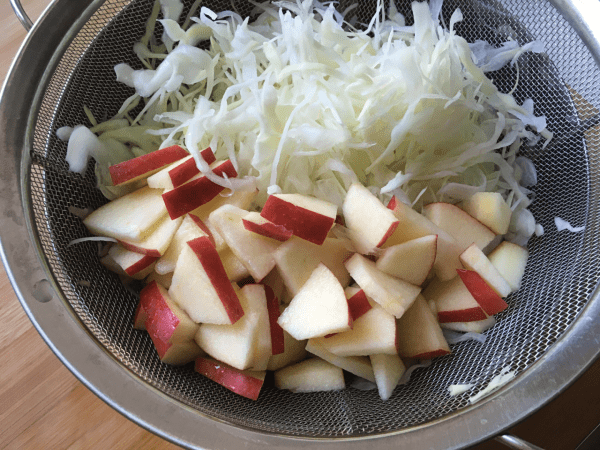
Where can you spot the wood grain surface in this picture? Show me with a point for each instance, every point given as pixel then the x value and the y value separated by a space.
pixel 43 406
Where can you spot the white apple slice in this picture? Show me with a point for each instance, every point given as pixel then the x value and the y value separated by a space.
pixel 478 326
pixel 234 268
pixel 419 334
pixel 414 225
pixel 254 251
pixel 256 223
pixel 488 299
pixel 200 285
pixel 187 231
pixel 157 242
pixel 134 264
pixel 357 365
pixel 388 370
pixel 312 375
pixel 129 218
pixel 306 217
pixel 164 280
pixel 510 260
pixel 296 259
pixel 165 320
pixel 474 259
pixel 246 383
pixel 319 307
pixel 179 172
pixel 373 333
pixel 369 222
pixel 460 225
pixel 145 165
pixel 256 298
pixel 411 261
pixel 490 209
pixel 393 294
pixel 177 353
pixel 196 192
pixel 453 301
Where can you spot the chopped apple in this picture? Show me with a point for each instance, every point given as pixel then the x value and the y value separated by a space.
pixel 478 326
pixel 357 302
pixel 254 222
pixel 307 217
pixel 200 285
pixel 460 225
pixel 246 383
pixel 234 268
pixel 296 259
pixel 510 261
pixel 311 375
pixel 197 192
pixel 157 242
pixel 419 334
pixel 410 261
pixel 474 259
pixel 369 222
pixel 490 209
pixel 414 225
pixel 145 165
pixel 293 352
pixel 277 336
pixel 173 176
pixel 487 298
pixel 134 264
pixel 254 251
pixel 453 301
pixel 393 294
pixel 388 370
pixel 187 231
pixel 164 280
pixel 373 333
pixel 165 320
pixel 177 353
pixel 129 218
pixel 275 282
pixel 256 298
pixel 319 308
pixel 241 199
pixel 357 365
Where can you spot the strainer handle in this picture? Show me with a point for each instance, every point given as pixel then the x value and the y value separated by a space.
pixel 21 14
pixel 516 443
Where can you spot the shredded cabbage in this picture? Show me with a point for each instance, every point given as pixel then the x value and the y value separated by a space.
pixel 302 101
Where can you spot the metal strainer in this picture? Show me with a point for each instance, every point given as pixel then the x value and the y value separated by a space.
pixel 549 335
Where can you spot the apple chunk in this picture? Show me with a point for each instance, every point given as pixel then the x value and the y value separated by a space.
pixel 388 370
pixel 187 231
pixel 357 302
pixel 256 223
pixel 369 222
pixel 306 217
pixel 319 308
pixel 312 375
pixel 510 261
pixel 357 365
pixel 453 301
pixel 157 242
pixel 474 259
pixel 128 218
pixel 419 334
pixel 246 383
pixel 134 264
pixel 145 165
pixel 293 352
pixel 411 261
pixel 479 326
pixel 277 336
pixel 177 353
pixel 200 285
pixel 490 209
pixel 487 298
pixel 179 172
pixel 393 294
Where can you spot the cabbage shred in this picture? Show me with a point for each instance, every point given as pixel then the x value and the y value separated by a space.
pixel 303 102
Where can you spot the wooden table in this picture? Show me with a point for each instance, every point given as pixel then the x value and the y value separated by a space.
pixel 42 405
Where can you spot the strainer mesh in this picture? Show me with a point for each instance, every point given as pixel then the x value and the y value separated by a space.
pixel 562 272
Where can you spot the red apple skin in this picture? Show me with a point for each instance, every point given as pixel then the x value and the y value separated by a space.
pixel 140 265
pixel 305 224
pixel 140 250
pixel 160 322
pixel 160 346
pixel 277 339
pixel 183 172
pixel 145 164
pixel 463 315
pixel 140 317
pixel 198 221
pixel 211 263
pixel 230 378
pixel 269 229
pixel 358 304
pixel 195 193
pixel 389 232
pixel 487 298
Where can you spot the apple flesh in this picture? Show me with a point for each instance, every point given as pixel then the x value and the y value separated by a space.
pixel 178 353
pixel 234 268
pixel 510 260
pixel 139 317
pixel 256 300
pixel 479 326
pixel 357 365
pixel 164 280
pixel 157 242
pixel 474 259
pixel 311 375
pixel 319 308
pixel 173 176
pixel 277 336
pixel 293 352
pixel 306 217
pixel 453 301
pixel 369 222
pixel 145 165
pixel 246 383
pixel 187 231
pixel 254 222
pixel 411 261
pixel 135 265
pixel 490 209
pixel 201 287
pixel 487 298
pixel 393 294
pixel 388 370
pixel 419 334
